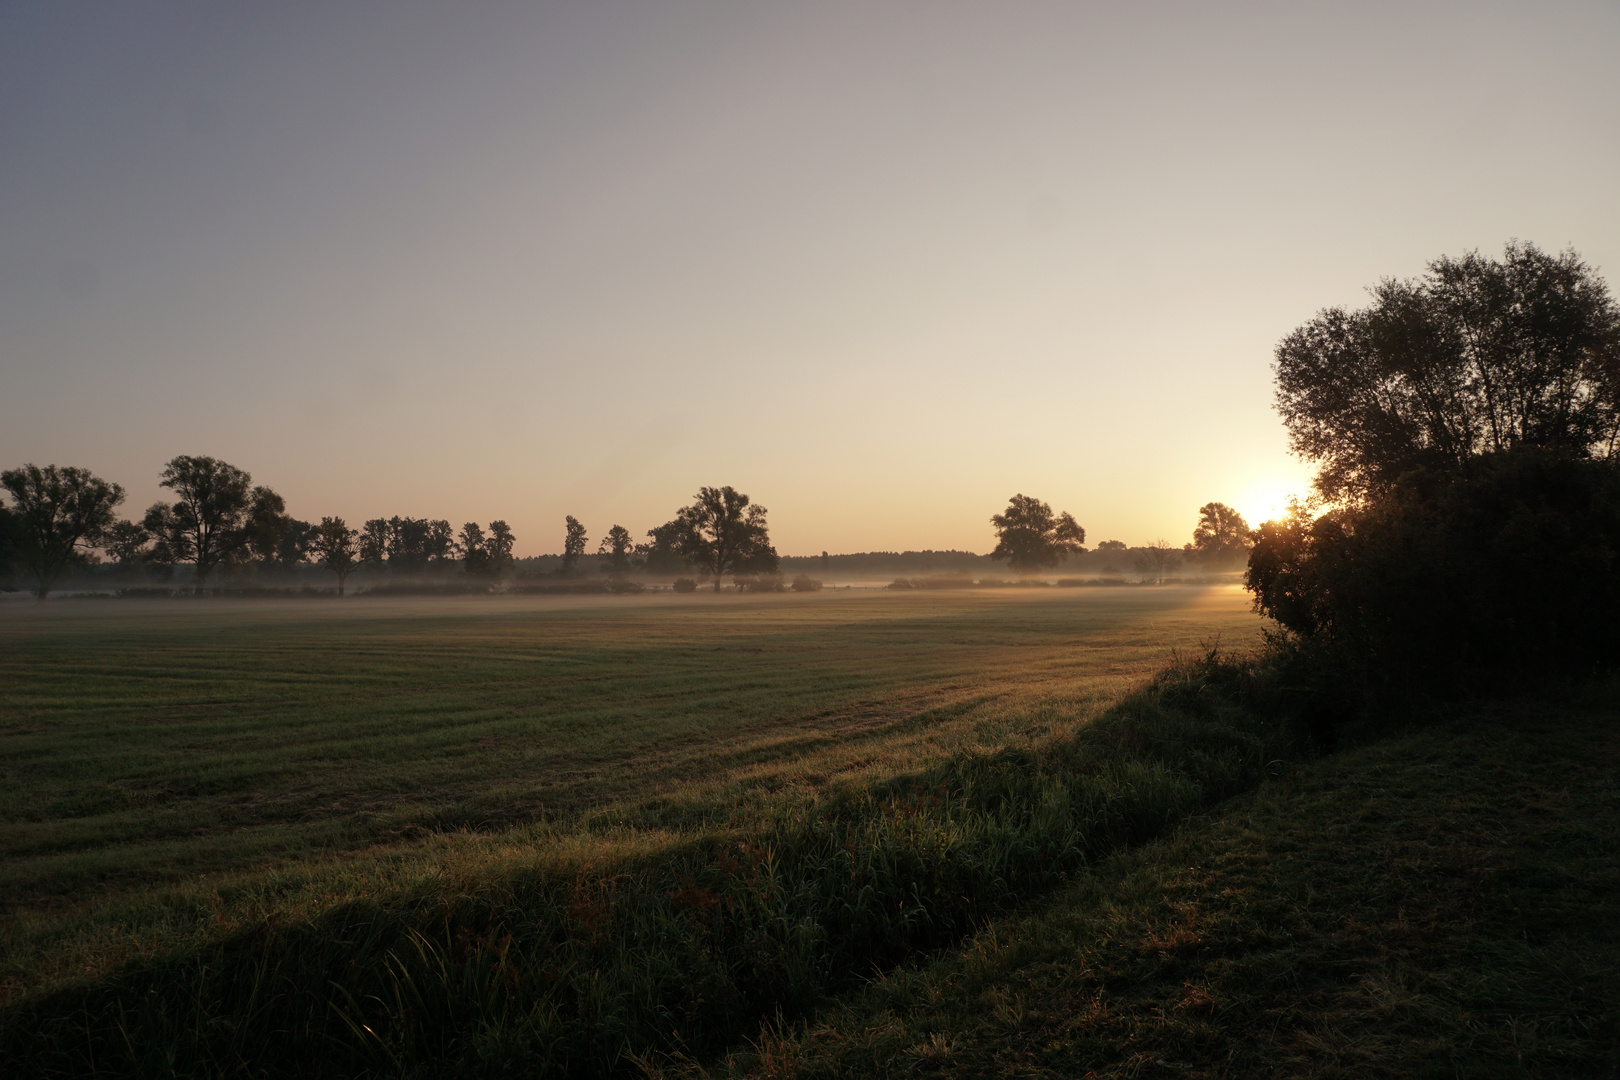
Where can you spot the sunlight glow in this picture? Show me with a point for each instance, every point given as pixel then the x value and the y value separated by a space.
pixel 1267 499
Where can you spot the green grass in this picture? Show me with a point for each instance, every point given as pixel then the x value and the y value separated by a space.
pixel 173 771
pixel 1437 905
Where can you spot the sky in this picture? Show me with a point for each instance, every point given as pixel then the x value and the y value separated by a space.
pixel 878 265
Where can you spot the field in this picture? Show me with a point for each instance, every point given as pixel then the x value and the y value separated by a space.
pixel 173 771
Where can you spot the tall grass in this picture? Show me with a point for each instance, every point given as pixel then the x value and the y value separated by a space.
pixel 580 961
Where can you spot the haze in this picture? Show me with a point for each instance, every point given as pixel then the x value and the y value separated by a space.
pixel 879 266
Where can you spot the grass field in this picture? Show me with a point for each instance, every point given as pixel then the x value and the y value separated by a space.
pixel 175 770
pixel 1441 904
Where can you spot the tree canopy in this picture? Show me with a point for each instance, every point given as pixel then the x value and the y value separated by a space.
pixel 1478 355
pixel 333 544
pixel 217 514
pixel 722 533
pixel 1221 534
pixel 58 512
pixel 1030 537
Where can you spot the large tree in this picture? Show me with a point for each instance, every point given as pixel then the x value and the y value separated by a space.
pixel 1221 534
pixel 217 515
pixel 334 545
pixel 499 546
pixel 58 513
pixel 722 533
pixel 618 546
pixel 1029 536
pixel 573 544
pixel 1478 355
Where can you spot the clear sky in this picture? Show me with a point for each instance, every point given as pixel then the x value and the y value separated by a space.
pixel 878 265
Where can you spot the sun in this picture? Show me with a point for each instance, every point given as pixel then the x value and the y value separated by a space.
pixel 1267 499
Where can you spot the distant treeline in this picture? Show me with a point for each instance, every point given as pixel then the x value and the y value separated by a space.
pixel 224 532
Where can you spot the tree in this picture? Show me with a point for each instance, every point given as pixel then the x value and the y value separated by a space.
pixel 1157 560
pixel 376 536
pixel 334 545
pixel 573 545
pixel 440 544
pixel 59 512
pixel 1477 356
pixel 267 522
pixel 294 546
pixel 474 554
pixel 499 546
pixel 215 516
pixel 722 533
pixel 1221 534
pixel 663 554
pixel 1029 536
pixel 126 542
pixel 618 548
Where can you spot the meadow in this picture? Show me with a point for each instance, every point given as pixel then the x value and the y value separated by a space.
pixel 174 770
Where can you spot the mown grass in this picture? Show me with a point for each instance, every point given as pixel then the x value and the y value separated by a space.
pixel 171 769
pixel 1441 904
pixel 583 961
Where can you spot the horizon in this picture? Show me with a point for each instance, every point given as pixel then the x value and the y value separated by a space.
pixel 877 271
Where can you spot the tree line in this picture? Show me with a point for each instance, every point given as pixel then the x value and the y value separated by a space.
pixel 221 523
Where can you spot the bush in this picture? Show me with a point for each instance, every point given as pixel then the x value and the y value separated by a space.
pixel 685 585
pixel 901 583
pixel 1503 576
pixel 806 583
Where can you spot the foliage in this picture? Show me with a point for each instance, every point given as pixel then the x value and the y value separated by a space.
pixel 58 514
pixel 685 585
pixel 1478 356
pixel 334 546
pixel 573 544
pixel 475 557
pixel 662 555
pixel 126 542
pixel 723 533
pixel 1504 573
pixel 618 546
pixel 499 546
pixel 1156 560
pixel 217 516
pixel 1221 536
pixel 806 583
pixel 1029 536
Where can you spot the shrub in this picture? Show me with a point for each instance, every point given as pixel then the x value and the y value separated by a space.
pixel 1505 575
pixel 760 583
pixel 806 583
pixel 685 585
pixel 901 583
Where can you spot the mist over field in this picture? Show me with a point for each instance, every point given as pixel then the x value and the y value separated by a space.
pixel 707 539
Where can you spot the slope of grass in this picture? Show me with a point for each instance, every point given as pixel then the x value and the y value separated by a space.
pixel 1442 904
pixel 579 959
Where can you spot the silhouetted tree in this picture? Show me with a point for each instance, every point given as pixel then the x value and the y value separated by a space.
pixel 375 538
pixel 334 545
pixel 474 555
pixel 722 533
pixel 440 544
pixel 295 540
pixel 57 514
pixel 618 548
pixel 126 542
pixel 214 516
pixel 1157 560
pixel 1478 355
pixel 267 522
pixel 1029 536
pixel 573 544
pixel 1221 534
pixel 498 547
pixel 663 554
